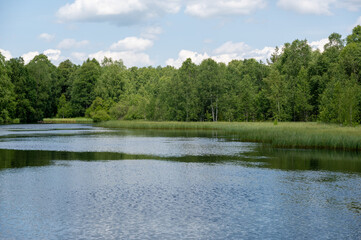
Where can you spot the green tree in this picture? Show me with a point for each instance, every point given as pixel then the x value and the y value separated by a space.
pixel 24 90
pixel 247 98
pixel 230 99
pixel 350 99
pixel 136 104
pixel 355 37
pixel 340 100
pixel 64 108
pixel 255 70
pixel 334 41
pixel 330 56
pixel 209 82
pixel 113 80
pixel 64 83
pixel 7 94
pixel 294 57
pixel 322 68
pixel 43 73
pixel 182 93
pixel 159 91
pixel 82 92
pixel 118 110
pixel 99 110
pixel 350 59
pixel 302 96
pixel 239 98
pixel 277 95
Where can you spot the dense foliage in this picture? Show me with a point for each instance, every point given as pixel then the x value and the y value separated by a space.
pixel 296 84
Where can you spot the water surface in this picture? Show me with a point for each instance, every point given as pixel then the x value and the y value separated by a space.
pixel 63 181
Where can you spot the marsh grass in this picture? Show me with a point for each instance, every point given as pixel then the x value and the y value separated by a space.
pixel 284 134
pixel 67 120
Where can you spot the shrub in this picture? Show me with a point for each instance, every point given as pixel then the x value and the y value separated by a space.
pixel 100 115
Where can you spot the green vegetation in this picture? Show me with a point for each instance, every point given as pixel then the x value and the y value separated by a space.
pixel 297 84
pixel 67 120
pixel 284 134
pixel 285 159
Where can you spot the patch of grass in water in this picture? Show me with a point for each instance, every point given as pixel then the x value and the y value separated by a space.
pixel 67 120
pixel 284 134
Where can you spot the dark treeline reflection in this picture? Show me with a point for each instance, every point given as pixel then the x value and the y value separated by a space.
pixel 290 159
pixel 296 84
pixel 24 158
pixel 263 157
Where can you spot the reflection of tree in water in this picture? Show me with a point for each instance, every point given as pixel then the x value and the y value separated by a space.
pixel 18 158
pixel 354 207
pixel 26 158
pixel 263 157
pixel 301 159
pixel 314 164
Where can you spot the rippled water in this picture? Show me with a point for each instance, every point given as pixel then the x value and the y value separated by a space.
pixel 83 182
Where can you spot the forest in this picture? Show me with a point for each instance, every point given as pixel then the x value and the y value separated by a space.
pixel 295 84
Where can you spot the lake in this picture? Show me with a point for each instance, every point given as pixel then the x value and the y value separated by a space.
pixel 73 181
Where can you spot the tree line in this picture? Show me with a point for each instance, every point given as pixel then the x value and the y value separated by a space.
pixel 296 84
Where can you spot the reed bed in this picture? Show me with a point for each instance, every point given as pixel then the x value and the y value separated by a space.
pixel 67 120
pixel 284 134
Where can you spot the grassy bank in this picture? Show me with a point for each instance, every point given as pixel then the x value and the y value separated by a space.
pixel 67 120
pixel 289 134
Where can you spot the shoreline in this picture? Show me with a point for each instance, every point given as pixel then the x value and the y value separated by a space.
pixel 308 135
pixel 66 120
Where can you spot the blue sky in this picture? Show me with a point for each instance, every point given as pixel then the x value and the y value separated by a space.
pixel 166 32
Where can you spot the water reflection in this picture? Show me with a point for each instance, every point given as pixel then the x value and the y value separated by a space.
pixel 39 145
pixel 301 159
pixel 126 141
pixel 78 181
pixel 175 200
pixel 261 158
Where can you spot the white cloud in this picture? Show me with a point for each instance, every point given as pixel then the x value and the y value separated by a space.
pixel 129 50
pixel 319 44
pixel 129 58
pixel 261 54
pixel 127 12
pixel 226 58
pixel 29 56
pixel 258 54
pixel 240 50
pixel 122 12
pixel 225 53
pixel 152 32
pixel 93 9
pixel 80 56
pixel 351 5
pixel 47 37
pixel 183 55
pixel 53 54
pixel 6 54
pixel 230 47
pixel 132 44
pixel 69 43
pixel 210 8
pixel 318 7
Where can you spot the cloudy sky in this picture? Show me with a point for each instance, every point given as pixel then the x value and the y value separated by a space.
pixel 166 32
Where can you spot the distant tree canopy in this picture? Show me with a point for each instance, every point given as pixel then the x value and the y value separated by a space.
pixel 296 84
